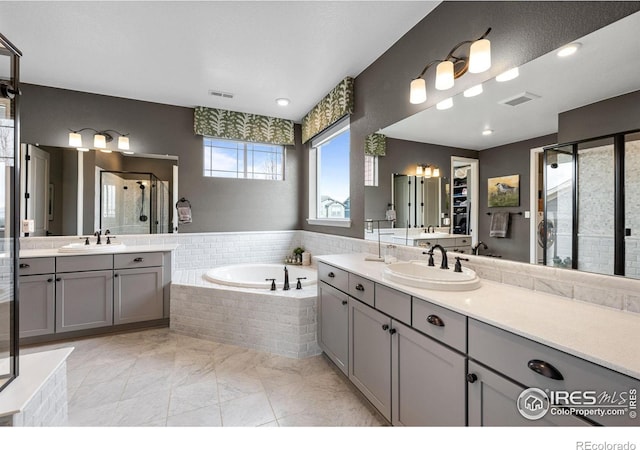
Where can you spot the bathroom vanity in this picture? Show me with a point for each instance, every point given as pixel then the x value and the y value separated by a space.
pixel 71 294
pixel 445 358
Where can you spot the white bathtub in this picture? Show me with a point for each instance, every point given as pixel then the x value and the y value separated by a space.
pixel 254 275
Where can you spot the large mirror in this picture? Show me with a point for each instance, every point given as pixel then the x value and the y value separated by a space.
pixel 67 192
pixel 519 117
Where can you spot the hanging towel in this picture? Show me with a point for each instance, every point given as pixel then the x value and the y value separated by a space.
pixel 499 224
pixel 391 214
pixel 184 210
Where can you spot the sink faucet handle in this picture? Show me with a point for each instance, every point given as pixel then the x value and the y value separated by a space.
pixel 299 284
pixel 430 253
pixel 109 237
pixel 458 267
pixel 86 240
pixel 273 283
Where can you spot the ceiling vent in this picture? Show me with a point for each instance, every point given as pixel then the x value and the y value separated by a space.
pixel 220 94
pixel 519 99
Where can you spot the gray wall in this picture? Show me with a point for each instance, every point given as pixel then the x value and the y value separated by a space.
pixel 522 31
pixel 218 204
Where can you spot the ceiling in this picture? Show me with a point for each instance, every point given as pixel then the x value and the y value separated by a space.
pixel 606 65
pixel 176 52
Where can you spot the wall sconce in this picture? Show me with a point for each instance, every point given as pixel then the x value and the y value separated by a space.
pixel 453 67
pixel 100 138
pixel 427 171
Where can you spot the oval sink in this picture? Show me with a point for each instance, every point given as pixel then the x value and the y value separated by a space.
pixel 80 247
pixel 419 274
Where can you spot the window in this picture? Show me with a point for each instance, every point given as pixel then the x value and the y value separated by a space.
pixel 370 170
pixel 236 159
pixel 329 193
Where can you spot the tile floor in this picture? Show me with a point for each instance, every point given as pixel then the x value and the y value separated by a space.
pixel 160 378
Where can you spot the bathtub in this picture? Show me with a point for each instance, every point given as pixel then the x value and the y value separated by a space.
pixel 254 275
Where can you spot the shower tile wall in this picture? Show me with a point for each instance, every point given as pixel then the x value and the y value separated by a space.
pixel 126 217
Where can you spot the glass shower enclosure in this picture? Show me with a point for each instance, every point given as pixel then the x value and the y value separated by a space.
pixel 134 203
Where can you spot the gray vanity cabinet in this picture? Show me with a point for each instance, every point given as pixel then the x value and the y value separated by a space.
pixel 370 354
pixel 428 381
pixel 37 305
pixel 84 300
pixel 333 325
pixel 137 295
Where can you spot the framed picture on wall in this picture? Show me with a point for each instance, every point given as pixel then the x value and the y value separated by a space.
pixel 503 191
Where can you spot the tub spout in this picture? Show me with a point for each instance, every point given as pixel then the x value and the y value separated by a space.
pixel 286 279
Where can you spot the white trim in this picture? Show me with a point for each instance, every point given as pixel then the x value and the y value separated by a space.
pixel 80 199
pixel 313 182
pixel 343 223
pixel 533 204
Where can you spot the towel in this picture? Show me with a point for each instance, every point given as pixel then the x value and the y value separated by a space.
pixel 391 214
pixel 499 224
pixel 184 211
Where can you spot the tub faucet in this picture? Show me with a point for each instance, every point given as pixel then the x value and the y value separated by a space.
pixel 445 263
pixel 476 248
pixel 286 279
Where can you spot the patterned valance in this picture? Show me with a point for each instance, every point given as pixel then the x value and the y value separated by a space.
pixel 375 145
pixel 225 124
pixel 335 105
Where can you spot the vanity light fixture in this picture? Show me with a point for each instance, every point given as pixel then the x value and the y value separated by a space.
pixel 454 66
pixel 427 171
pixel 445 104
pixel 282 101
pixel 508 75
pixel 100 138
pixel 569 49
pixel 473 91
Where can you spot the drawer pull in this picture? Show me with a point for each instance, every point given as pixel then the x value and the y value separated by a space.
pixel 138 260
pixel 344 302
pixel 472 377
pixel 435 320
pixel 331 275
pixel 359 287
pixel 385 327
pixel 545 369
pixel 24 266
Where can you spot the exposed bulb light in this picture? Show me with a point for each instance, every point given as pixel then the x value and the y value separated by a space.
pixel 418 91
pixel 123 143
pixel 473 91
pixel 418 170
pixel 427 172
pixel 445 104
pixel 487 132
pixel 508 75
pixel 569 49
pixel 100 141
pixel 436 172
pixel 75 139
pixel 444 76
pixel 82 149
pixel 480 56
pixel 282 101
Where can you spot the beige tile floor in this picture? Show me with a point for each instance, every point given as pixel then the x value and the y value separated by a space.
pixel 160 378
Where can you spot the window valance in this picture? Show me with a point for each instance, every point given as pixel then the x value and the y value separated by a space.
pixel 225 124
pixel 335 105
pixel 375 145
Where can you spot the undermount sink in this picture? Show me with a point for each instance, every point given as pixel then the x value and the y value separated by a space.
pixel 419 274
pixel 80 247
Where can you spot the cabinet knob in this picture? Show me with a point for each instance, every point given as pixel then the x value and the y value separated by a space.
pixel 545 369
pixel 472 377
pixel 49 280
pixel 331 275
pixel 115 275
pixel 344 302
pixel 24 266
pixel 392 331
pixel 435 320
pixel 359 287
pixel 138 260
pixel 58 279
pixel 385 327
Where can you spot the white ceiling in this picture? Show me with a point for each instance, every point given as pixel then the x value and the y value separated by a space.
pixel 175 52
pixel 607 65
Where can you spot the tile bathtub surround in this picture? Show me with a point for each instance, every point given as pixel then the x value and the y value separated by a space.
pixel 162 378
pixel 277 322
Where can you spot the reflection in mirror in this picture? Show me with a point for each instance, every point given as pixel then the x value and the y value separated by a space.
pixel 553 99
pixel 68 195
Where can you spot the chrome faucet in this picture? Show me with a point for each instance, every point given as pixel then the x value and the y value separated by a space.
pixel 97 234
pixel 445 262
pixel 286 279
pixel 475 249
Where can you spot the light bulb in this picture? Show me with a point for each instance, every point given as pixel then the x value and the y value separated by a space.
pixel 436 172
pixel 418 170
pixel 427 172
pixel 123 143
pixel 444 75
pixel 480 56
pixel 99 141
pixel 75 139
pixel 418 91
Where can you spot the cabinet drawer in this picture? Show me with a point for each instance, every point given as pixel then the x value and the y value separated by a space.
pixel 36 266
pixel 362 289
pixel 133 260
pixel 84 263
pixel 427 243
pixel 512 355
pixel 337 278
pixel 463 241
pixel 394 303
pixel 440 323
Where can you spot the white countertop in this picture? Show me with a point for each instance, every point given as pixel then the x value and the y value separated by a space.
pixel 44 252
pixel 599 334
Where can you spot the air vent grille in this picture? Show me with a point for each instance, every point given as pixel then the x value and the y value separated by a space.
pixel 519 99
pixel 220 94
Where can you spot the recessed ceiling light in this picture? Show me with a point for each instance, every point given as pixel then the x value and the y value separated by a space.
pixel 473 91
pixel 569 49
pixel 282 101
pixel 508 75
pixel 487 132
pixel 445 104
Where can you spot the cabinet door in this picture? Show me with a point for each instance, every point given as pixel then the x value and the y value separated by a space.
pixel 428 381
pixel 84 300
pixel 37 305
pixel 370 354
pixel 137 295
pixel 492 402
pixel 333 325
